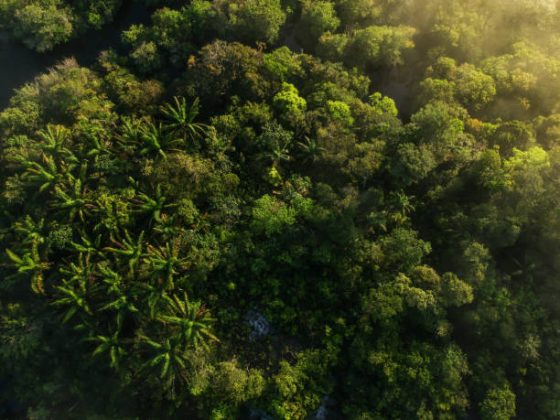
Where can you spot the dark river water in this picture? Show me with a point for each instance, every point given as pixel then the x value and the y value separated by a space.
pixel 19 65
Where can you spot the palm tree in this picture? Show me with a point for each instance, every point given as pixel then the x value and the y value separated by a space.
pixel 111 278
pixel 154 206
pixel 81 273
pixel 165 261
pixel 74 201
pixel 75 288
pixel 30 262
pixel 189 321
pixel 129 248
pixel 123 305
pixel 46 175
pixel 280 152
pixel 181 119
pixel 402 203
pixel 54 140
pixel 112 211
pixel 155 140
pixel 100 151
pixel 31 230
pixel 310 149
pixel 112 345
pixel 167 227
pixel 130 131
pixel 275 143
pixel 171 357
pixel 96 147
pixel 156 297
pixel 87 246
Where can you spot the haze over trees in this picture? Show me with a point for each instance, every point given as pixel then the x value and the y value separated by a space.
pixel 247 159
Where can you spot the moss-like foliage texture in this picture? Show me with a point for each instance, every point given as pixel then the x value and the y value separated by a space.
pixel 279 209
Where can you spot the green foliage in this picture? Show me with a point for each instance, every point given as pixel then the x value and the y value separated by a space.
pixel 359 12
pixel 339 111
pixel 332 46
pixel 402 249
pixel 255 20
pixel 379 45
pixel 288 102
pixel 281 208
pixel 471 87
pixel 271 216
pixel 317 17
pixel 42 25
pixel 299 388
pixel 498 404
pixel 368 48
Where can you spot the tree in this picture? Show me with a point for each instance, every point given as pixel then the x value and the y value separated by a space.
pixel 270 215
pixel 111 345
pixel 289 103
pixel 155 140
pixel 499 404
pixel 377 46
pixel 310 149
pixel 165 261
pixel 332 46
pixel 403 250
pixel 317 17
pixel 32 263
pixel 299 387
pixel 230 386
pixel 74 289
pixel 474 89
pixel 189 321
pixel 292 211
pixel 182 119
pixel 358 12
pixel 252 21
pixel 282 64
pixel 153 206
pixel 439 127
pixel 42 26
pixel 129 249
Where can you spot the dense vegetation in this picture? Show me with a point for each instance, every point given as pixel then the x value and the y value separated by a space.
pixel 240 159
pixel 44 24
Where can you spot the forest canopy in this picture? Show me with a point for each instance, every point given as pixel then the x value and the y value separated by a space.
pixel 284 209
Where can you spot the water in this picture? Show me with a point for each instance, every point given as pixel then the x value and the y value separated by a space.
pixel 19 65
